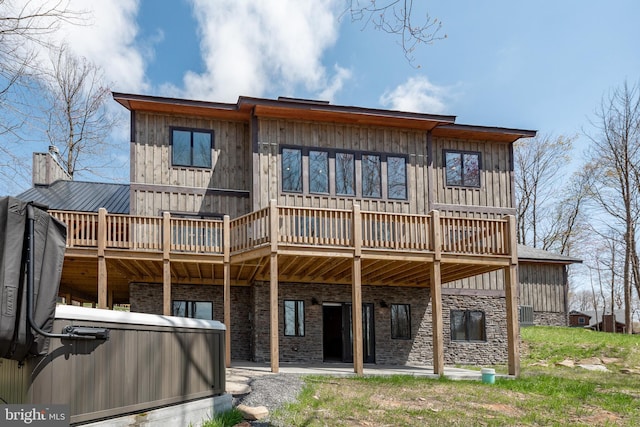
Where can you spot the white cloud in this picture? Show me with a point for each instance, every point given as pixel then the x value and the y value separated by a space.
pixel 417 94
pixel 336 83
pixel 253 47
pixel 109 41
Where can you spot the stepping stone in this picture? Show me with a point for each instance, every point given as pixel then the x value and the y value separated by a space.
pixel 253 413
pixel 237 389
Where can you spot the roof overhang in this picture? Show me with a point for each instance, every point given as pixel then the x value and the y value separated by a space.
pixel 485 133
pixel 302 109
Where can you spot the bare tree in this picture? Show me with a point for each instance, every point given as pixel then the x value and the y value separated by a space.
pixel 397 17
pixel 23 24
pixel 78 120
pixel 539 163
pixel 615 156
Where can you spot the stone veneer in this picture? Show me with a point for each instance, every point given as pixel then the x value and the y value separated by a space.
pixel 250 307
pixel 546 318
pixel 418 350
pixel 147 298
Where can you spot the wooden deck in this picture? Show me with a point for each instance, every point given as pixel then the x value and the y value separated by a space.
pixel 314 245
pixel 288 244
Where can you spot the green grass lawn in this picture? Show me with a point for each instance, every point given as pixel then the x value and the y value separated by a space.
pixel 545 394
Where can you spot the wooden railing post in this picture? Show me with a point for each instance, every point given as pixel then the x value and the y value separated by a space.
pixel 166 264
pixel 273 286
pixel 436 295
pixel 102 262
pixel 226 251
pixel 511 296
pixel 356 291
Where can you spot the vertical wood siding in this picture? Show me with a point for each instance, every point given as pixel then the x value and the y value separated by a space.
pixel 495 178
pixel 542 286
pixel 274 133
pixel 151 155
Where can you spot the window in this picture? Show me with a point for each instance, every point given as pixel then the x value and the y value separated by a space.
pixel 462 168
pixel 292 170
pixel 400 321
pixel 294 318
pixel 191 147
pixel 329 172
pixel 193 309
pixel 371 176
pixel 581 320
pixel 345 174
pixel 318 171
pixel 467 325
pixel 397 177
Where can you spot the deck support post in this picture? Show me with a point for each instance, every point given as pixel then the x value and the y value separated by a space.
pixel 274 221
pixel 436 296
pixel 102 262
pixel 166 264
pixel 511 296
pixel 226 241
pixel 356 292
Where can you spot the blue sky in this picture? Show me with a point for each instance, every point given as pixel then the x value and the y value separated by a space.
pixel 541 65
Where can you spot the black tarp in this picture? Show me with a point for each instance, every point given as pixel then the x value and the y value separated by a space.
pixel 17 340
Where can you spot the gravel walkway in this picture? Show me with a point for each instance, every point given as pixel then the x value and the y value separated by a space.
pixel 270 390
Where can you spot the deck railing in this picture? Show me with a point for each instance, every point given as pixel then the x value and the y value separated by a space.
pixel 294 226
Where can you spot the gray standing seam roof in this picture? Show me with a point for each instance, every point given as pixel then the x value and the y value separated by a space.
pixel 527 253
pixel 80 196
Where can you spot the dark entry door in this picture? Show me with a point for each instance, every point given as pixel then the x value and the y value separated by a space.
pixel 338 333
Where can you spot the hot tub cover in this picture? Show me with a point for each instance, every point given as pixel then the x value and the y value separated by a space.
pixel 17 340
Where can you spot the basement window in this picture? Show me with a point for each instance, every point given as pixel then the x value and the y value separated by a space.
pixel 294 318
pixel 400 321
pixel 468 325
pixel 193 309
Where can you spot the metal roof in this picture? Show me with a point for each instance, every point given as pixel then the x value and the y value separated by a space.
pixel 80 196
pixel 527 253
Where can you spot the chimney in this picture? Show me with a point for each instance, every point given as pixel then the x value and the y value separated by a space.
pixel 47 169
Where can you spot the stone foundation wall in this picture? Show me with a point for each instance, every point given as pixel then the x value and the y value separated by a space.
pixel 489 352
pixel 147 298
pixel 545 318
pixel 418 350
pixel 250 321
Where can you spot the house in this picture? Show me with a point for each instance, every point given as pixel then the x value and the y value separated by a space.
pixel 599 321
pixel 579 319
pixel 278 216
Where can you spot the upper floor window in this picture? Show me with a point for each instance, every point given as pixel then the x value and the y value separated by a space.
pixel 345 174
pixel 318 171
pixel 467 325
pixel 397 177
pixel 292 170
pixel 193 309
pixel 191 147
pixel 371 185
pixel 462 168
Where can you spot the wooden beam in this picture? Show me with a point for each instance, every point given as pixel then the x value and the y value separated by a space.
pixel 356 292
pixel 273 285
pixel 102 262
pixel 273 310
pixel 511 296
pixel 166 264
pixel 436 320
pixel 227 288
pixel 436 296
